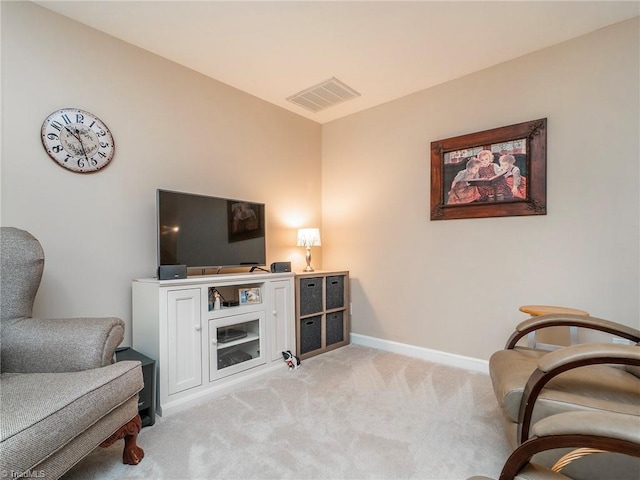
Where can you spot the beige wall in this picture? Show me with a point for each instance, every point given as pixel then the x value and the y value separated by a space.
pixel 456 285
pixel 173 129
pixel 452 285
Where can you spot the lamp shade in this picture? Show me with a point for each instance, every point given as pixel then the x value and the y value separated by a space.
pixel 309 237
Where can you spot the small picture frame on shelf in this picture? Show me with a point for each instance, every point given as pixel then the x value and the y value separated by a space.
pixel 249 296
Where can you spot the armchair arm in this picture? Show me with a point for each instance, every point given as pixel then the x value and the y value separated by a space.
pixel 591 353
pixel 612 432
pixel 567 358
pixel 568 320
pixel 60 345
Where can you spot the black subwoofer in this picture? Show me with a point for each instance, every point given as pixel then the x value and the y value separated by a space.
pixel 147 396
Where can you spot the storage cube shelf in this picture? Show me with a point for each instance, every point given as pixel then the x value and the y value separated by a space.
pixel 322 312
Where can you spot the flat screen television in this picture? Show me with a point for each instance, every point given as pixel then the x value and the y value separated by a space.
pixel 209 232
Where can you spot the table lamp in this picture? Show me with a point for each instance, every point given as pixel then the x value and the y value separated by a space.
pixel 309 237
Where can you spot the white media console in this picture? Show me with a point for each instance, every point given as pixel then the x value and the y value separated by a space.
pixel 201 350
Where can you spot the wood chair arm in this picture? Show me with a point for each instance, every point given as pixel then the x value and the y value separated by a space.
pixel 522 455
pixel 563 360
pixel 574 353
pixel 569 320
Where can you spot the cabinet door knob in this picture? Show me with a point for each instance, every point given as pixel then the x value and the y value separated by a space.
pixel 214 341
pixel 198 328
pixel 274 313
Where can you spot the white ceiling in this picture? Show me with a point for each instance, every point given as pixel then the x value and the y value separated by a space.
pixel 382 49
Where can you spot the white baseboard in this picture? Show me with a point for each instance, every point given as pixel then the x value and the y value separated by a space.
pixel 435 356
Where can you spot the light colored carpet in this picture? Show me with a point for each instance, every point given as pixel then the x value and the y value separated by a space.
pixel 353 413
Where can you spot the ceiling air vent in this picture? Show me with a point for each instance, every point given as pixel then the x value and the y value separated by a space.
pixel 324 95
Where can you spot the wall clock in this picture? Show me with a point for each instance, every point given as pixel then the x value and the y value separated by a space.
pixel 77 140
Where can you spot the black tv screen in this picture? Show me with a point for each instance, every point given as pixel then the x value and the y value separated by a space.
pixel 208 232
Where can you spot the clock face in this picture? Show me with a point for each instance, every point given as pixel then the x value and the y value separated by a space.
pixel 77 140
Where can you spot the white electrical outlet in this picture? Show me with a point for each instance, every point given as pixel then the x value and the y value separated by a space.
pixel 620 341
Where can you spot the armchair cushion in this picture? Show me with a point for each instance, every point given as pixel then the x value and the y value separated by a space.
pixel 603 424
pixel 64 345
pixel 531 472
pixel 591 387
pixel 634 370
pixel 32 430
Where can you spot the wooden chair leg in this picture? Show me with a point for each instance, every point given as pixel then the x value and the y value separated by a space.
pixel 132 454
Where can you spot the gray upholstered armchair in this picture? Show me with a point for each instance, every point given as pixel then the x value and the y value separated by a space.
pixel 531 385
pixel 61 393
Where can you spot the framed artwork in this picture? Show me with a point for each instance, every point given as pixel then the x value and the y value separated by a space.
pixel 495 173
pixel 244 220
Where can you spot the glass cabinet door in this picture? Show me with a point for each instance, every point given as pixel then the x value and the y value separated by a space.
pixel 235 344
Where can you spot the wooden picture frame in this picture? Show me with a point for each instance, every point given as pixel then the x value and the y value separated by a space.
pixel 495 173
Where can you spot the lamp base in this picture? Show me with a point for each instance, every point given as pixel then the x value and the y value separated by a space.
pixel 308 268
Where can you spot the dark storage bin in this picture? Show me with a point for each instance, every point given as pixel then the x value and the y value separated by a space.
pixel 335 328
pixel 310 295
pixel 310 334
pixel 335 292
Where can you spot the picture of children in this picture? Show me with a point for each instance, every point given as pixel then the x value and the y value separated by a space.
pixel 244 218
pixel 515 183
pixel 461 191
pixel 492 173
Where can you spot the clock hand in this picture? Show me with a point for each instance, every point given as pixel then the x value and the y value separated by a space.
pixel 79 137
pixel 76 135
pixel 73 133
